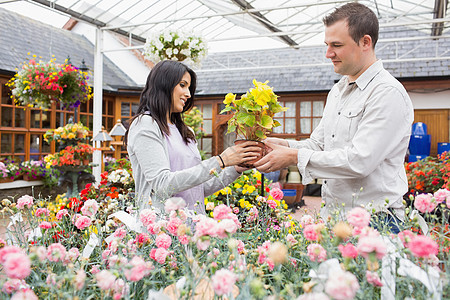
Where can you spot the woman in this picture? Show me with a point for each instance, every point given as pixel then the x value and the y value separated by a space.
pixel 163 150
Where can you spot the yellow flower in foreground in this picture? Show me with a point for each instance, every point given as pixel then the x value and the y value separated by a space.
pixel 237 185
pixel 251 188
pixel 229 98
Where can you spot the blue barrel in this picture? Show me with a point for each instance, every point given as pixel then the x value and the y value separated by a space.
pixel 420 144
pixel 413 158
pixel 443 147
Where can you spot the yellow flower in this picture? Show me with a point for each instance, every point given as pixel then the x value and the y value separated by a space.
pixel 237 185
pixel 262 93
pixel 71 136
pixel 229 98
pixel 251 188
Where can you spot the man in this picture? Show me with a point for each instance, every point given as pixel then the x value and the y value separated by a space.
pixel 360 144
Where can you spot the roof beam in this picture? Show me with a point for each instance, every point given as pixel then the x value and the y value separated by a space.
pixel 440 10
pixel 244 5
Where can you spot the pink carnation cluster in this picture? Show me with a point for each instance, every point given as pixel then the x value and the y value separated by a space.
pixel 90 208
pixel 316 252
pixel 263 252
pixel 310 232
pixel 371 244
pixel 147 217
pixel 442 195
pixel 82 222
pixel 276 194
pixel 358 217
pixel 175 203
pixel 425 203
pixel 42 212
pixel 348 251
pixel 373 278
pixel 223 282
pixel 23 201
pixel 137 269
pixel 342 285
pixel 423 246
pixel 16 263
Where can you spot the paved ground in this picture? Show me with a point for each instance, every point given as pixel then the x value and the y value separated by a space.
pixel 311 207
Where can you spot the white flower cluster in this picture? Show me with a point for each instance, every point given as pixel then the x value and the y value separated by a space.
pixel 177 45
pixel 119 176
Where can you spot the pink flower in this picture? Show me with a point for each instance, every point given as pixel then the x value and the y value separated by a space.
pixel 306 220
pixel 72 254
pixel 223 282
pixel 8 250
pixel 137 269
pixel 80 278
pixel 348 251
pixel 310 233
pixel 83 222
pixel 203 244
pixel 12 285
pixel 17 265
pixel 441 195
pixel 45 225
pixel 147 217
pixel 173 225
pixel 184 239
pixel 291 239
pixel 174 203
pixel 23 201
pixel 406 236
pixel 373 278
pixel 276 193
pixel 95 269
pixel 235 210
pixel 358 217
pixel 316 252
pixel 163 240
pixel 221 212
pixel 226 227
pixel 89 208
pixel 252 214
pixel 120 233
pixel 60 214
pixel 206 226
pixel 25 294
pixel 272 204
pixel 423 246
pixel 241 247
pixel 56 252
pixel 42 211
pixel 342 285
pixel 371 244
pixel 425 203
pixel 142 238
pixel 160 255
pixel 105 280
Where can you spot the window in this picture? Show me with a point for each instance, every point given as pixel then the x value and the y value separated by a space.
pixel 22 128
pixel 310 115
pixel 205 143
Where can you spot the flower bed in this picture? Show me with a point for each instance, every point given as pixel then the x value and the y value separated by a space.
pixel 90 247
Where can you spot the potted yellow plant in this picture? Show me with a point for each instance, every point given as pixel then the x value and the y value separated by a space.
pixel 252 114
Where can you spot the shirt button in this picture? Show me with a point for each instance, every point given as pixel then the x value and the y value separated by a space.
pixel 339 113
pixel 325 181
pixel 332 135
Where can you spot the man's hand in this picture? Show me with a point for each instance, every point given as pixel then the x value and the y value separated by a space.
pixel 278 157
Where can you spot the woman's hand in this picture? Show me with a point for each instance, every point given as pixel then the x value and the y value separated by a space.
pixel 240 154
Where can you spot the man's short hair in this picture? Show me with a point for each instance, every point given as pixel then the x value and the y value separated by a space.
pixel 361 20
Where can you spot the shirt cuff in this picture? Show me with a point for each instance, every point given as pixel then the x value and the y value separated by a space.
pixel 303 157
pixel 292 144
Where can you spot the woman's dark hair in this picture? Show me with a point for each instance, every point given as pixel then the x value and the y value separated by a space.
pixel 156 98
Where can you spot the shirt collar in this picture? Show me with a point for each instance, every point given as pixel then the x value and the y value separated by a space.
pixel 366 77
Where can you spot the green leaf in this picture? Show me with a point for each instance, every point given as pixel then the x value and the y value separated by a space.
pixel 266 122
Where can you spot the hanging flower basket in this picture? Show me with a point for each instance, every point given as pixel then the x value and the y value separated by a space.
pixel 39 83
pixel 177 45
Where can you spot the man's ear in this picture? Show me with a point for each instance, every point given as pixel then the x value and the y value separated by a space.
pixel 366 41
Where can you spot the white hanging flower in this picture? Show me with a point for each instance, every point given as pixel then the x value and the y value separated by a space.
pixel 176 45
